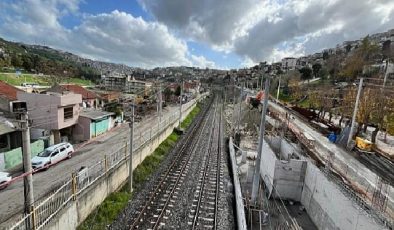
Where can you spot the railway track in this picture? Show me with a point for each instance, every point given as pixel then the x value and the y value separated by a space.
pixel 379 164
pixel 200 155
pixel 204 211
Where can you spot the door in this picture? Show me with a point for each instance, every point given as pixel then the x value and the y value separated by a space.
pixel 63 152
pixel 55 156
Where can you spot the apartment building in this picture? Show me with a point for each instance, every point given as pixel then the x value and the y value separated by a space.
pixel 125 83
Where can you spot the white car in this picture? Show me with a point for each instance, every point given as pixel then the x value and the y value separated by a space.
pixel 4 178
pixel 52 155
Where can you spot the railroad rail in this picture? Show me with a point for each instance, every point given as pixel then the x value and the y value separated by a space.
pixel 204 213
pixel 159 202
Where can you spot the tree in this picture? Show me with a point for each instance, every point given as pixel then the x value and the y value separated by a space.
pixel 386 49
pixel 306 73
pixel 167 94
pixel 363 56
pixel 27 63
pixel 323 73
pixel 325 55
pixel 316 68
pixel 334 63
pixel 178 91
pixel 16 61
pixel 366 106
pixel 348 48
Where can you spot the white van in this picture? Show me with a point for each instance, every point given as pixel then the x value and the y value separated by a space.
pixel 52 155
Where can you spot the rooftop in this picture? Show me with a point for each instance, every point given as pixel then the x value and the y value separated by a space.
pixel 8 91
pixel 77 89
pixel 95 114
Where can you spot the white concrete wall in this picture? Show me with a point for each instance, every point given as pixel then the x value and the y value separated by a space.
pixel 286 176
pixel 76 212
pixel 267 169
pixel 289 179
pixel 329 208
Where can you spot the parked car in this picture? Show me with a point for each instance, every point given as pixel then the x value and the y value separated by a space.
pixel 52 155
pixel 4 178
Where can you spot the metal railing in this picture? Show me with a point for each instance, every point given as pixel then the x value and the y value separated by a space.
pixel 43 213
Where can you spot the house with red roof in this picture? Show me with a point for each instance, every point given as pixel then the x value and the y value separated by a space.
pixel 7 95
pixel 89 99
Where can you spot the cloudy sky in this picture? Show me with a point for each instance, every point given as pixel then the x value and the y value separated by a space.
pixel 204 33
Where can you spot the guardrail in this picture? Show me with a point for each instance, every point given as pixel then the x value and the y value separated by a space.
pixel 43 213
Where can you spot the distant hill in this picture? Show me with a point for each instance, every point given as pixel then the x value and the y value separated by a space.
pixel 49 61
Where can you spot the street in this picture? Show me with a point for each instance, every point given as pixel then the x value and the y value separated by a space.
pixel 11 198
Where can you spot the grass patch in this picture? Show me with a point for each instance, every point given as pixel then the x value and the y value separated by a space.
pixel 44 80
pixel 114 204
pixel 188 120
pixel 107 211
pixel 284 97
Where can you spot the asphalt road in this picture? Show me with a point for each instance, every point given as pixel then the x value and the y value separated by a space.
pixel 11 198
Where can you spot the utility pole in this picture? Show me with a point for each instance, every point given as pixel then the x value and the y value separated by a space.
pixel 131 125
pixel 27 168
pixel 386 73
pixel 350 138
pixel 180 106
pixel 233 130
pixel 261 82
pixel 277 93
pixel 256 176
pixel 240 106
pixel 161 101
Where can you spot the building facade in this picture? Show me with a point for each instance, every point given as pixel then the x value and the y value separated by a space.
pixel 54 112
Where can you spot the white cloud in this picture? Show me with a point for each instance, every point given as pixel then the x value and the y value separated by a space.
pixel 116 36
pixel 256 29
pixel 124 38
pixel 202 62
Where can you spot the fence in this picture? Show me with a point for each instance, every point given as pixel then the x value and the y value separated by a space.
pixel 42 213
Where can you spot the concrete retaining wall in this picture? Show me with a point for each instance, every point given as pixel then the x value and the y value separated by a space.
pixel 329 208
pixel 360 178
pixel 287 176
pixel 324 201
pixel 87 201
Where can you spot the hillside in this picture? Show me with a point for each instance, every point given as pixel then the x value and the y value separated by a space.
pixel 37 59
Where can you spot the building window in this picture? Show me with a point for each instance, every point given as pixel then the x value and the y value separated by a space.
pixel 68 112
pixel 4 141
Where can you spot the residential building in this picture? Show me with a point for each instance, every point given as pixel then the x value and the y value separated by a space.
pixel 126 83
pixel 302 62
pixel 289 63
pixel 7 95
pixel 89 99
pixel 92 123
pixel 11 145
pixel 10 136
pixel 137 87
pixel 53 112
pixel 115 81
pixel 109 96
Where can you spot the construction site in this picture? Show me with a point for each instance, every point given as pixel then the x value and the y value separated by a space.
pixel 304 180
